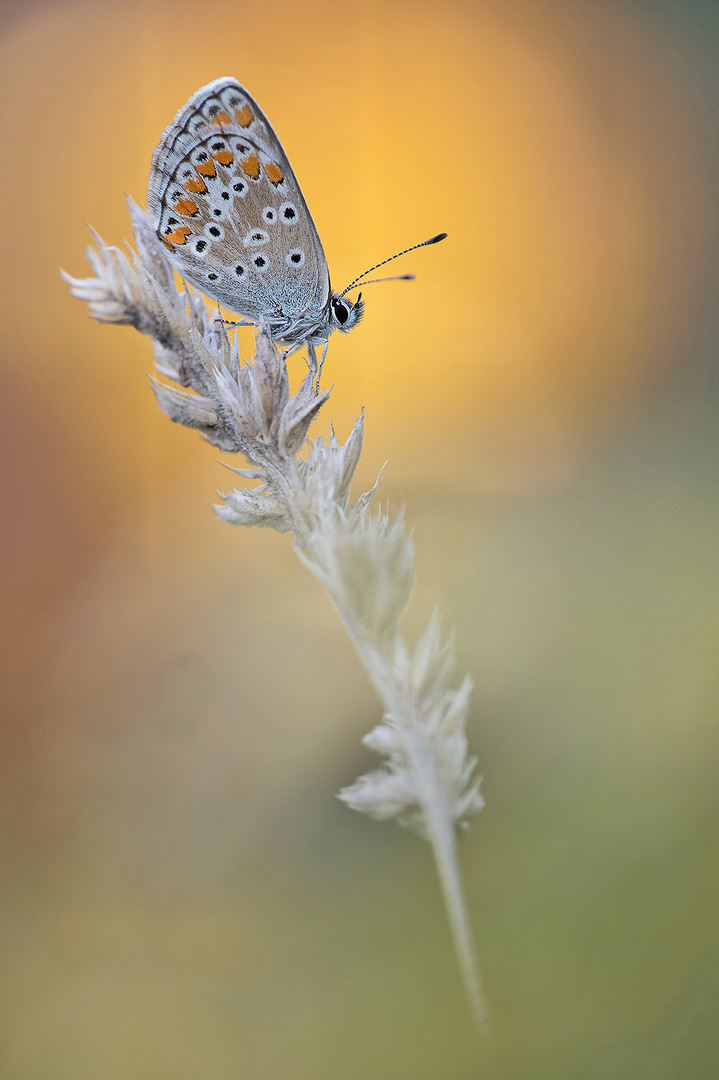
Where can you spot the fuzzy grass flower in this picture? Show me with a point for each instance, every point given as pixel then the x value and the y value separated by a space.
pixel 363 557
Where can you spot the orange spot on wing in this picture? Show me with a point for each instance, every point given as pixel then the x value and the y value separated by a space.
pixel 196 185
pixel 185 206
pixel 224 157
pixel 206 168
pixel 179 236
pixel 274 173
pixel 167 244
pixel 221 118
pixel 244 116
pixel 251 165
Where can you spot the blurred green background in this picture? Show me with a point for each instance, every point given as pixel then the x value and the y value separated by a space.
pixel 183 896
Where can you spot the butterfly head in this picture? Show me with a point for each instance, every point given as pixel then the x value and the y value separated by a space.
pixel 344 314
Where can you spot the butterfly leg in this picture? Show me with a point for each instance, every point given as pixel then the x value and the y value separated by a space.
pixel 319 368
pixel 219 326
pixel 312 360
pixel 293 348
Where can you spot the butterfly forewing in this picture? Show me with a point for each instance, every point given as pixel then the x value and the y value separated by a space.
pixel 226 205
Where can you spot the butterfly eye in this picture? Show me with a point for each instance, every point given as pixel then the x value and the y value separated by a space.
pixel 341 311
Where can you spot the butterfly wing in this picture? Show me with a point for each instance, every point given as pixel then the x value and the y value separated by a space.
pixel 227 206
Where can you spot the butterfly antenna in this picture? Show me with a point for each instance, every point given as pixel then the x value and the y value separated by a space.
pixel 397 277
pixel 433 240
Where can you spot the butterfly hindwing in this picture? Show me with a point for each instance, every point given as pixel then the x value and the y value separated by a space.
pixel 227 206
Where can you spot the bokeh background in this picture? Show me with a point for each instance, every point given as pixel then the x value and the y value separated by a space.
pixel 183 896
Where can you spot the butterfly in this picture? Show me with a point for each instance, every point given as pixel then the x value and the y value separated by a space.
pixel 227 207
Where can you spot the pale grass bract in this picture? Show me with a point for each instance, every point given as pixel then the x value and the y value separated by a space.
pixel 363 556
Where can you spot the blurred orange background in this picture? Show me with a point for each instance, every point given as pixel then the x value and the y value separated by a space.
pixel 184 896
